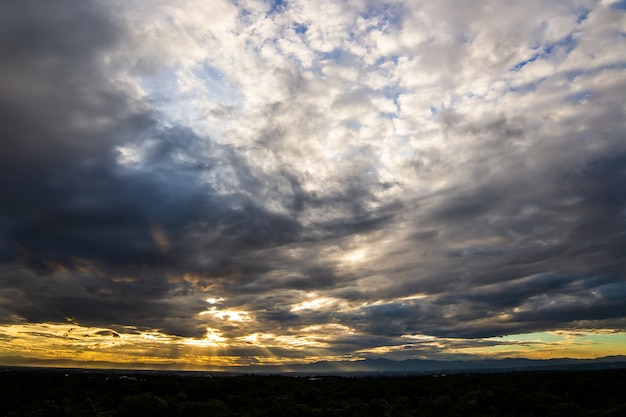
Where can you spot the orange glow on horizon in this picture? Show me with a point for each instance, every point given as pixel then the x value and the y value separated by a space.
pixel 99 347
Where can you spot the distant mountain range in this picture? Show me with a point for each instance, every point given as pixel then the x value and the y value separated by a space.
pixel 379 366
pixel 415 366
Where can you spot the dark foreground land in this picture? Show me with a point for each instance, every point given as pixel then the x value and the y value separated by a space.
pixel 100 394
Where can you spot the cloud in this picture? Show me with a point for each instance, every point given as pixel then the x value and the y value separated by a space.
pixel 385 169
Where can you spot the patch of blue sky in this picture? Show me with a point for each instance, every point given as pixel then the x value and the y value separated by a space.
pixel 163 80
pixel 245 16
pixel 216 85
pixel 211 71
pixel 539 337
pixel 389 14
pixel 582 15
pixel 379 18
pixel 277 6
pixel 600 338
pixel 324 58
pixel 522 64
pixel 333 55
pixel 387 115
pixel 384 59
pixel 619 5
pixel 160 87
pixel 528 87
pixel 300 28
pixel 577 97
pixel 392 92
pixel 164 94
pixel 567 44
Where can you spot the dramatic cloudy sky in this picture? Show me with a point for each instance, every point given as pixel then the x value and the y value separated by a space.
pixel 194 183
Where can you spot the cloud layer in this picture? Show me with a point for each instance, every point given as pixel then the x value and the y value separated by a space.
pixel 305 180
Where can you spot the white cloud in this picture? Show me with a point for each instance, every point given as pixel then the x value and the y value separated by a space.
pixel 409 145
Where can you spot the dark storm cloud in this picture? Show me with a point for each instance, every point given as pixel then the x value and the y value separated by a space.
pixel 67 200
pixel 522 252
pixel 98 299
pixel 52 152
pixel 88 238
pixel 114 214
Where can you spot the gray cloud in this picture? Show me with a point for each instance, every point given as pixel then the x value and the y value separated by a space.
pixel 353 180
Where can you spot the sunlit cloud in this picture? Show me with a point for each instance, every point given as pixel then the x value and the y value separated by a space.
pixel 212 338
pixel 254 182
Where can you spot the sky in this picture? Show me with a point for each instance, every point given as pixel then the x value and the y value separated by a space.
pixel 191 184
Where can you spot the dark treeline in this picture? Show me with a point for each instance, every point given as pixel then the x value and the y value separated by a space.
pixel 100 394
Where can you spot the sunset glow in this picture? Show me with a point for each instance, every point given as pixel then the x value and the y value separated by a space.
pixel 216 184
